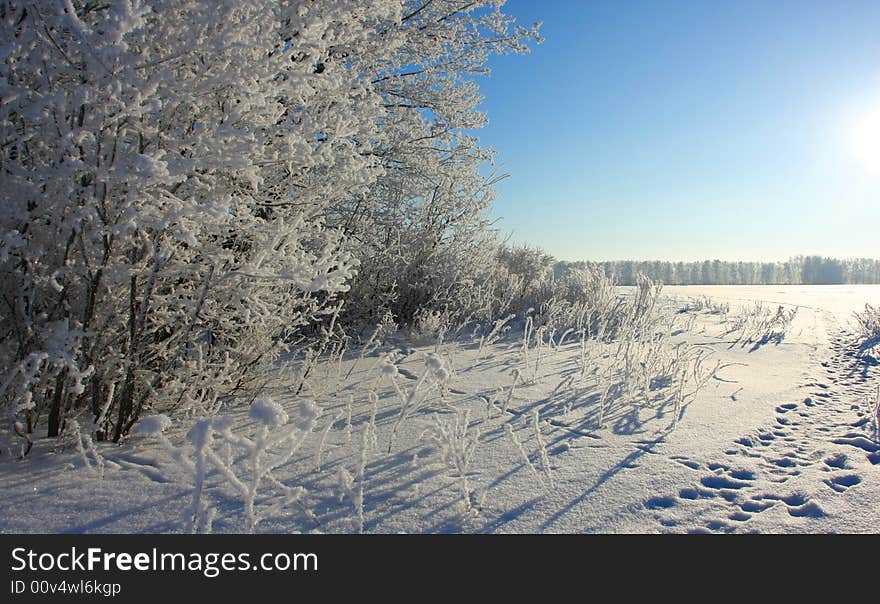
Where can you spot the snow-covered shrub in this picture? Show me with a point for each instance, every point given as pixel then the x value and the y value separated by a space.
pixel 188 186
pixel 432 325
pixel 585 299
pixel 529 266
pixel 161 161
pixel 579 299
pixel 421 230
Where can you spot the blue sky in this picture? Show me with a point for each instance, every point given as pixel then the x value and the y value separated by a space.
pixel 690 129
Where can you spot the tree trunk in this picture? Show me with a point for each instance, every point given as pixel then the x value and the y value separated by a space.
pixel 56 412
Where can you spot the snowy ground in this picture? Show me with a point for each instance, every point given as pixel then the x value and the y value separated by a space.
pixel 780 439
pixel 839 300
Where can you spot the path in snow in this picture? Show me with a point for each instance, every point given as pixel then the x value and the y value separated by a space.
pixel 814 447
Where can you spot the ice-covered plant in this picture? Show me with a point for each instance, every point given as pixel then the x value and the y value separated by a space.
pixel 456 443
pixel 508 428
pixel 868 322
pixel 85 447
pixel 370 346
pixel 874 410
pixel 322 441
pixel 415 398
pixel 358 499
pixel 246 462
pixel 705 303
pixel 509 398
pixel 528 332
pixel 542 447
pixel 499 327
pixel 758 324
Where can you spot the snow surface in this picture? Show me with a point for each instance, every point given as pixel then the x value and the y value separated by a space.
pixel 839 300
pixel 781 440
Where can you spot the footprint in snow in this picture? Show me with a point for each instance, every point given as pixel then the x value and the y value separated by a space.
pixel 694 493
pixel 693 465
pixel 800 506
pixel 719 482
pixel 754 506
pixel 719 525
pixel 807 510
pixel 859 441
pixel 742 474
pixel 838 461
pixel 842 483
pixel 659 503
pixel 745 441
pixel 783 462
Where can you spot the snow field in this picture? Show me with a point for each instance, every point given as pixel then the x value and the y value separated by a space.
pixel 523 432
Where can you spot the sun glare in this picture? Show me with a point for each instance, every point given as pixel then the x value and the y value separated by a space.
pixel 865 141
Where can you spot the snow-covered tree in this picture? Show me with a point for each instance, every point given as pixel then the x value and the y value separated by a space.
pixel 186 185
pixel 148 258
pixel 421 229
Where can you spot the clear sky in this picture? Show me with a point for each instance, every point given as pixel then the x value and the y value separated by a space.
pixel 685 130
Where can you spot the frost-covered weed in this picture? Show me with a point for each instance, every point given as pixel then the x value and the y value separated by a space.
pixel 868 322
pixel 359 501
pixel 247 463
pixel 85 448
pixel 499 328
pixel 707 304
pixel 349 410
pixel 435 374
pixel 758 324
pixel 431 325
pixel 542 447
pixel 322 441
pixel 456 443
pixel 874 410
pixel 508 428
pixel 368 348
pixel 509 398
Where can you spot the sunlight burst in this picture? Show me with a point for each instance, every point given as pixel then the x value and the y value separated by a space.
pixel 865 141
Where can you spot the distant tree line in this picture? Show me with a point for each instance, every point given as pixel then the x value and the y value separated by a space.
pixel 808 270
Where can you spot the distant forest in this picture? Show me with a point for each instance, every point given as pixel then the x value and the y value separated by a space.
pixel 801 270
